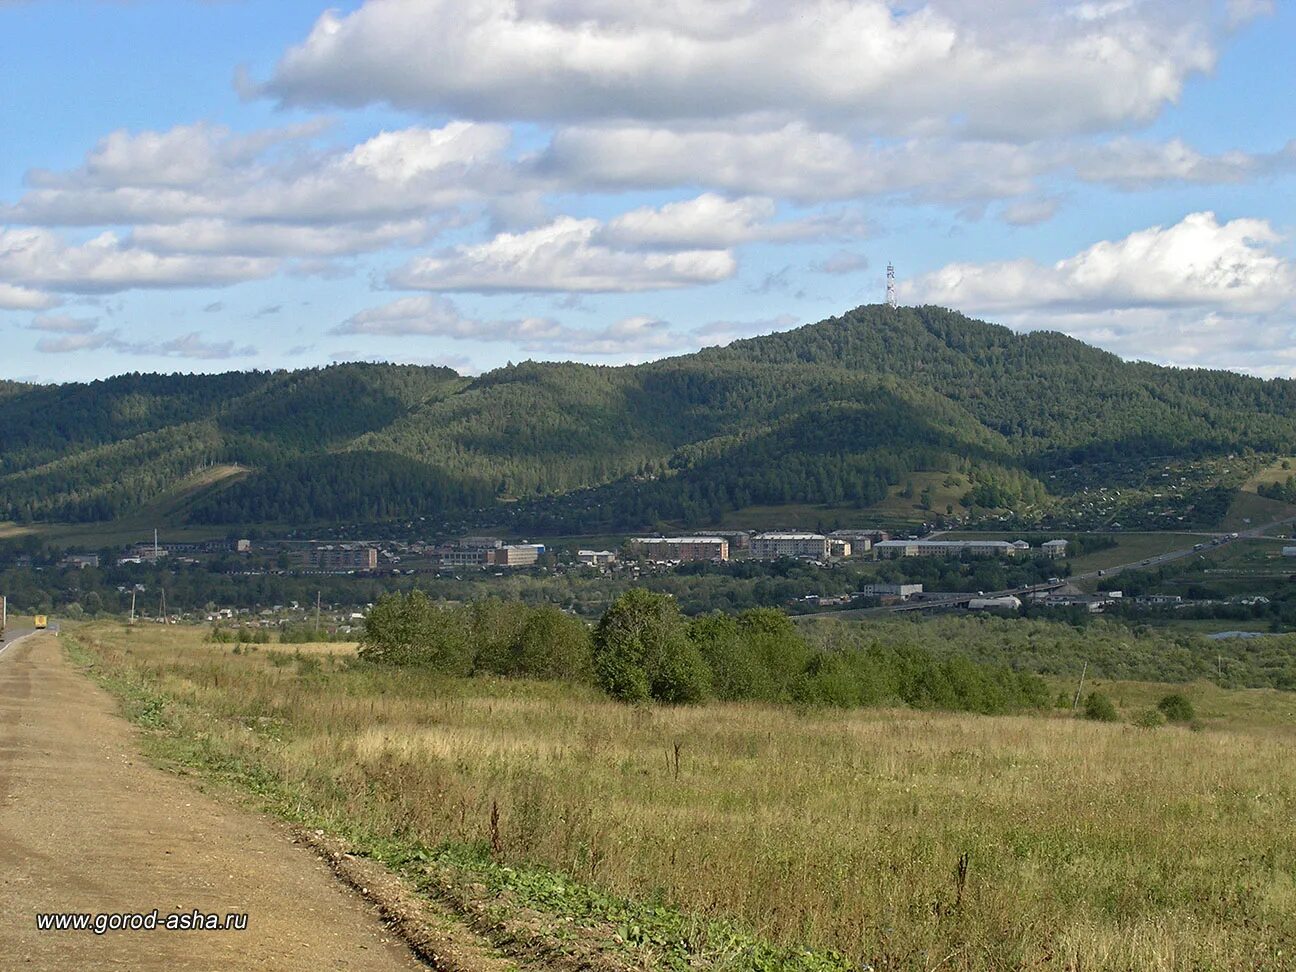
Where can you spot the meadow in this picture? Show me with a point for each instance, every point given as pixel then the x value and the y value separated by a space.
pixel 881 838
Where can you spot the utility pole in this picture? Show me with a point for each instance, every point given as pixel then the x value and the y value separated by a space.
pixel 163 608
pixel 1080 688
pixel 317 613
pixel 134 591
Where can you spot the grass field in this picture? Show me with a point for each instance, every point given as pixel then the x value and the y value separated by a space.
pixel 1130 547
pixel 1088 846
pixel 1249 510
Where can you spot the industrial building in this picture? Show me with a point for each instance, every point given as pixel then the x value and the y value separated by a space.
pixel 950 548
pixel 664 550
pixel 902 591
pixel 596 558
pixel 807 546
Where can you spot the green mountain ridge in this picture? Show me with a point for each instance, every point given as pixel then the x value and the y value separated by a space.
pixel 838 413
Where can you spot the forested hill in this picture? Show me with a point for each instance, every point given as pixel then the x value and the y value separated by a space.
pixel 835 412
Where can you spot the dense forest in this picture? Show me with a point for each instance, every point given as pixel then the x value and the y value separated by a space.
pixel 838 413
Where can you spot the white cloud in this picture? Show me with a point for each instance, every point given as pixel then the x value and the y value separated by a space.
pixel 68 335
pixel 863 63
pixel 564 255
pixel 14 297
pixel 433 316
pixel 217 236
pixel 1132 164
pixel 218 177
pixel 791 161
pixel 64 324
pixel 38 258
pixel 1199 293
pixel 1198 262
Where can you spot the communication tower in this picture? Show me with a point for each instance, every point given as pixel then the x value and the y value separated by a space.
pixel 892 300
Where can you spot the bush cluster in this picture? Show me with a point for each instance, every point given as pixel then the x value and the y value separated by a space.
pixel 644 650
pixel 496 637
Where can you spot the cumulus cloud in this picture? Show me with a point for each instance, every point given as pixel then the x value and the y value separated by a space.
pixel 791 161
pixel 433 316
pixel 1198 262
pixel 14 297
pixel 1199 293
pixel 565 255
pixel 864 63
pixel 1138 164
pixel 39 258
pixel 261 194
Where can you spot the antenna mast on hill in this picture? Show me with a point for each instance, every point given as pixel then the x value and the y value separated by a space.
pixel 892 300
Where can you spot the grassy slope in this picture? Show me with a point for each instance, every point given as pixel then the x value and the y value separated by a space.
pixel 166 512
pixel 1092 846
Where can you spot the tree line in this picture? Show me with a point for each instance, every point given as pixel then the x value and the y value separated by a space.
pixel 643 649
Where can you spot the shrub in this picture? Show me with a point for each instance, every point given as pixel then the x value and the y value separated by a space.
pixel 1150 719
pixel 407 629
pixel 552 644
pixel 642 651
pixel 1099 708
pixel 1177 708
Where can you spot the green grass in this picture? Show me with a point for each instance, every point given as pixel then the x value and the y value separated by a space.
pixel 786 838
pixel 1249 510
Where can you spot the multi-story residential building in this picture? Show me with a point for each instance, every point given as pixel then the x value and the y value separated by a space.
pixel 771 546
pixel 950 548
pixel 1054 548
pixel 338 557
pixel 861 541
pixel 683 549
pixel 517 554
pixel 596 558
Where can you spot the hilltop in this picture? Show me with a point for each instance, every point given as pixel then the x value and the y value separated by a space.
pixel 842 413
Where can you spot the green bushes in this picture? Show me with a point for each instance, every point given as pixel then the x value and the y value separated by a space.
pixel 644 650
pixel 489 637
pixel 1177 708
pixel 1099 708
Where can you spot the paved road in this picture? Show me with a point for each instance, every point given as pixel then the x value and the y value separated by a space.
pixel 14 634
pixel 87 825
pixel 1171 555
pixel 1146 563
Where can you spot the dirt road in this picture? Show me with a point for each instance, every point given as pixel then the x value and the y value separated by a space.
pixel 87 826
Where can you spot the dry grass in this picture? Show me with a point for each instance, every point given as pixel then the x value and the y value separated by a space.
pixel 1092 847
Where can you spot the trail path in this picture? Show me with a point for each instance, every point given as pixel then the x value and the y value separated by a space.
pixel 87 826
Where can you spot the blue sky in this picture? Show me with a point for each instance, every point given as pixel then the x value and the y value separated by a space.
pixel 215 185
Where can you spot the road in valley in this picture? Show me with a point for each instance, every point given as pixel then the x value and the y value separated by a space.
pixel 1211 541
